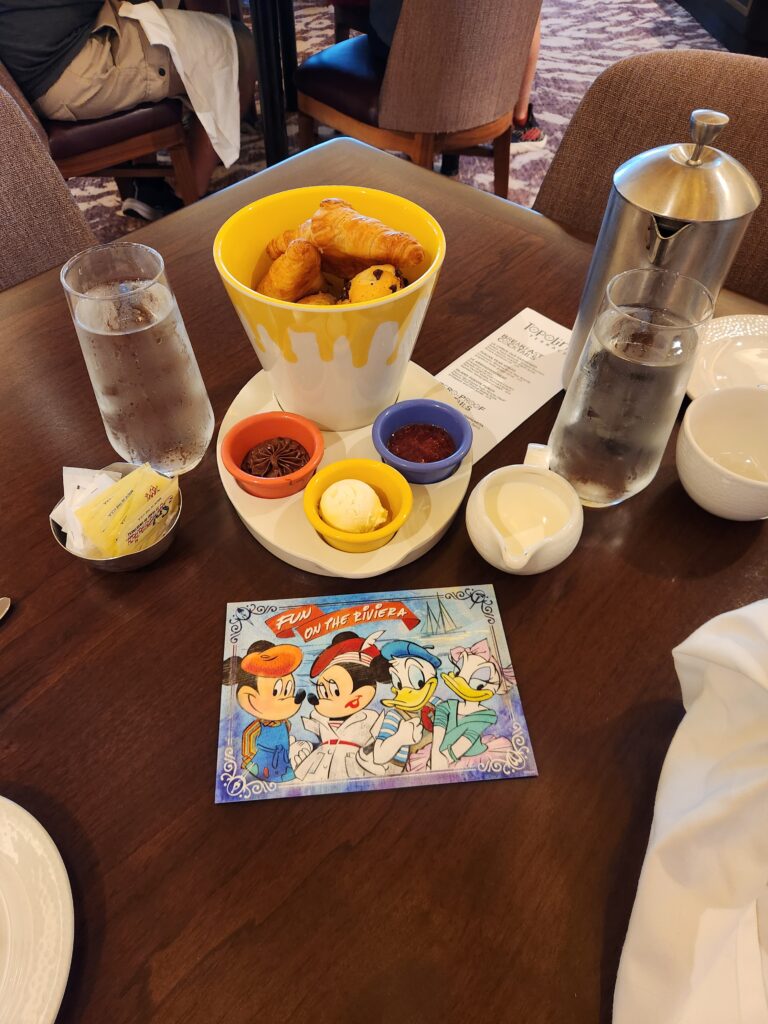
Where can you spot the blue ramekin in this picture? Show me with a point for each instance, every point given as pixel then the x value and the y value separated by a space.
pixel 422 410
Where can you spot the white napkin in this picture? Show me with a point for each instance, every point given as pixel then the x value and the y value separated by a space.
pixel 695 951
pixel 204 52
pixel 80 485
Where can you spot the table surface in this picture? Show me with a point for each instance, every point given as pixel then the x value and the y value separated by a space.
pixel 464 902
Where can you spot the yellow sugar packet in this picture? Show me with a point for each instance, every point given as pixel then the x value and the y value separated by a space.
pixel 131 514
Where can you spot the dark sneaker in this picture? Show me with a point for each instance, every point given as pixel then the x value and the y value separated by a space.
pixel 150 199
pixel 449 165
pixel 528 135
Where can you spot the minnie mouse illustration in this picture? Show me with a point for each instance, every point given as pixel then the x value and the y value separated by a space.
pixel 345 675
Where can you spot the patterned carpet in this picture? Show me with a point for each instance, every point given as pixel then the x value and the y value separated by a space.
pixel 580 38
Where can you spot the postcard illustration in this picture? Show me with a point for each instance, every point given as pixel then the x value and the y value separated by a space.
pixel 367 691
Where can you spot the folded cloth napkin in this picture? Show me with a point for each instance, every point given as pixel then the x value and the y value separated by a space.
pixel 204 52
pixel 695 951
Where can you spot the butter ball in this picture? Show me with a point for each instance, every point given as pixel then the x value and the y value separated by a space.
pixel 352 506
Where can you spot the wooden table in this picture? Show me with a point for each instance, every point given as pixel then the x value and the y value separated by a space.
pixel 496 901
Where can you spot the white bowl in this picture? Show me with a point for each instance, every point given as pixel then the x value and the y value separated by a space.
pixel 722 453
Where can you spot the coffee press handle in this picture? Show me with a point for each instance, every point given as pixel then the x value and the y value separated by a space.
pixel 705 125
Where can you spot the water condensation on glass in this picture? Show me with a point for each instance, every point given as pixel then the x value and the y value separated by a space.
pixel 144 374
pixel 620 407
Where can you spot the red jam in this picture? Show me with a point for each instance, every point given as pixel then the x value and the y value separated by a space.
pixel 421 442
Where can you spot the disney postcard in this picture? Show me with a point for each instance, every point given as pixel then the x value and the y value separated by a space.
pixel 367 691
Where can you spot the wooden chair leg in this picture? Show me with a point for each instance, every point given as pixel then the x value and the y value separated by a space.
pixel 424 150
pixel 307 131
pixel 501 163
pixel 340 30
pixel 184 174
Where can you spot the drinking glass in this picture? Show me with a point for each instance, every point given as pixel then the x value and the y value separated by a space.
pixel 620 406
pixel 139 357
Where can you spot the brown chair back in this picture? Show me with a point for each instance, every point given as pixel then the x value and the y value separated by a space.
pixel 645 101
pixel 456 64
pixel 8 83
pixel 42 225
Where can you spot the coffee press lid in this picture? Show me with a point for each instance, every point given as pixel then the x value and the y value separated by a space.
pixel 690 181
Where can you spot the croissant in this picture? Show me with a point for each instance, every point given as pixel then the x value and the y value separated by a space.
pixel 319 299
pixel 277 246
pixel 294 274
pixel 350 242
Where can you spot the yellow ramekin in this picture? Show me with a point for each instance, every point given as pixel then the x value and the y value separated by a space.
pixel 337 365
pixel 394 494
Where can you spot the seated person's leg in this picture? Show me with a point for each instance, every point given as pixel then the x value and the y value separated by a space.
pixel 204 158
pixel 115 70
pixel 246 62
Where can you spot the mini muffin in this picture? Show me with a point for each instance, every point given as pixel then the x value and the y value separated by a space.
pixel 375 283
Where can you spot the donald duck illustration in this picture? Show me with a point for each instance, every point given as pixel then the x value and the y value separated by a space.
pixel 459 738
pixel 406 724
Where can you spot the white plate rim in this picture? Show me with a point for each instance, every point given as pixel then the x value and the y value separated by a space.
pixel 721 332
pixel 27 825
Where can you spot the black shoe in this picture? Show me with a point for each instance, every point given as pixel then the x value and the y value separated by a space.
pixel 150 199
pixel 527 136
pixel 449 165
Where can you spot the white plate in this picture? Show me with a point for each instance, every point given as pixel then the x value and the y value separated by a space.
pixel 36 920
pixel 733 353
pixel 279 524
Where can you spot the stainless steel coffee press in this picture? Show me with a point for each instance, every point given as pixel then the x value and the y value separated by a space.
pixel 683 207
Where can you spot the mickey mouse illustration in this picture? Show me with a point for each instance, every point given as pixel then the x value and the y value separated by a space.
pixel 266 689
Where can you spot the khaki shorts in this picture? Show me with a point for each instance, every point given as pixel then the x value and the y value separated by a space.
pixel 116 70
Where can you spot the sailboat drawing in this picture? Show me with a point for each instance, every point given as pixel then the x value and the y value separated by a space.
pixel 438 621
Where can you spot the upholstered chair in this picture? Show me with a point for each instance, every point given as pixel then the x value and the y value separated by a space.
pixel 449 85
pixel 42 226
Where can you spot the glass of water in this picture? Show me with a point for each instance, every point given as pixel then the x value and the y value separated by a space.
pixel 622 401
pixel 139 357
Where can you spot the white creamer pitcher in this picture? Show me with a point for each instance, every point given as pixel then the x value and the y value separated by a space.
pixel 525 519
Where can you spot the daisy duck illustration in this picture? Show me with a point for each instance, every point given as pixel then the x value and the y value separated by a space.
pixel 345 675
pixel 266 689
pixel 459 738
pixel 405 726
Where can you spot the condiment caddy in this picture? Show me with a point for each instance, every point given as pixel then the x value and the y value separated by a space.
pixel 282 525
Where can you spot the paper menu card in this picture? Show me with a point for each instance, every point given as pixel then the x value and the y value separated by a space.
pixel 505 378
